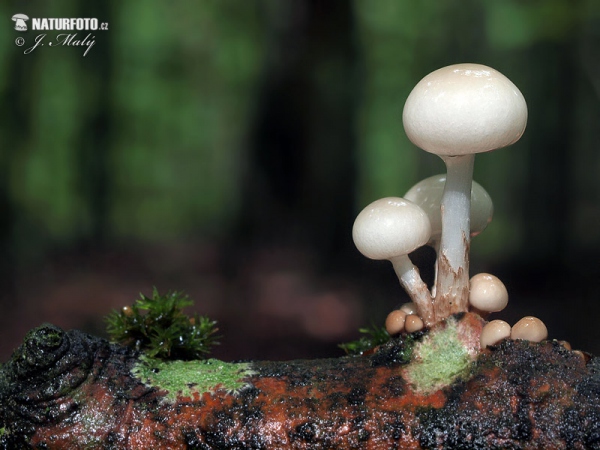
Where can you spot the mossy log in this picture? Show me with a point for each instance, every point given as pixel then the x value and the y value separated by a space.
pixel 69 390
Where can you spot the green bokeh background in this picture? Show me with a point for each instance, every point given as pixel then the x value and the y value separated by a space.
pixel 196 137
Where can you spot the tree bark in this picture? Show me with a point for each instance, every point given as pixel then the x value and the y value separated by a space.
pixel 70 390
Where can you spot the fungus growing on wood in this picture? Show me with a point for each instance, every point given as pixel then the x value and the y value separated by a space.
pixel 413 323
pixel 428 193
pixel 394 323
pixel 390 228
pixel 487 294
pixel 456 112
pixel 529 328
pixel 493 332
pixel 409 308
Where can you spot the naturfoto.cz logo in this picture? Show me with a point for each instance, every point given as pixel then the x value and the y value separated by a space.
pixel 67 39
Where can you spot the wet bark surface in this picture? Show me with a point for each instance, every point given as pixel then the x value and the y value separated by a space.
pixel 71 390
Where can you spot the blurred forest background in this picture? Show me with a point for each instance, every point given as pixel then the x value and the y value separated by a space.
pixel 224 147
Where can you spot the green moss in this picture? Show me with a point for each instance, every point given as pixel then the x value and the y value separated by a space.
pixel 158 326
pixel 371 337
pixel 438 360
pixel 188 377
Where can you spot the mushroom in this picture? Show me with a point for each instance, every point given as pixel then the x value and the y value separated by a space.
pixel 427 194
pixel 529 328
pixel 493 332
pixel 394 323
pixel 456 112
pixel 390 228
pixel 487 294
pixel 409 308
pixel 19 20
pixel 413 323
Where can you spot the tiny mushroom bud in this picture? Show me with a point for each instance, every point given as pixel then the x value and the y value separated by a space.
pixel 394 323
pixel 390 228
pixel 529 328
pixel 493 332
pixel 409 308
pixel 456 112
pixel 565 344
pixel 413 323
pixel 487 293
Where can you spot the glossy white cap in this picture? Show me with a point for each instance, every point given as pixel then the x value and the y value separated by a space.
pixel 390 227
pixel 464 109
pixel 487 293
pixel 428 193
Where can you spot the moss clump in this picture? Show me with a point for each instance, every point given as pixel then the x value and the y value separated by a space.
pixel 439 359
pixel 185 378
pixel 158 327
pixel 372 337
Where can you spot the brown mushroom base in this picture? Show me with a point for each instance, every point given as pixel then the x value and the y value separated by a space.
pixel 79 392
pixel 452 287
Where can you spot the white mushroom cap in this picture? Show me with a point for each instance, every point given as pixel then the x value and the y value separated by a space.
pixel 487 293
pixel 428 193
pixel 529 328
pixel 464 109
pixel 493 332
pixel 409 308
pixel 390 227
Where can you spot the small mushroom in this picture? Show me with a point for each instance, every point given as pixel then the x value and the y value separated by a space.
pixel 487 293
pixel 493 332
pixel 394 322
pixel 19 20
pixel 409 308
pixel 456 112
pixel 390 228
pixel 413 323
pixel 428 193
pixel 529 328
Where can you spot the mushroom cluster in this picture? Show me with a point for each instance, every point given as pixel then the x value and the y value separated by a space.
pixel 454 112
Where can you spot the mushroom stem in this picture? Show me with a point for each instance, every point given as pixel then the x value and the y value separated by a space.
pixel 411 281
pixel 452 284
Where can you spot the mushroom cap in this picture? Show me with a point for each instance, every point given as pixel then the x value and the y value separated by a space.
pixel 529 328
pixel 464 109
pixel 409 308
pixel 487 293
pixel 413 323
pixel 394 322
pixel 19 17
pixel 428 194
pixel 390 227
pixel 493 332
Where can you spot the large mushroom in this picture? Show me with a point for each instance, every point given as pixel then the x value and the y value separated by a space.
pixel 456 112
pixel 390 228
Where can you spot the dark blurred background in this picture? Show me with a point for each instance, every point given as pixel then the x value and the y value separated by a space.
pixel 224 148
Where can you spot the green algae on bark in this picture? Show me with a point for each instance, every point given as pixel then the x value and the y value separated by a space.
pixel 189 378
pixel 70 390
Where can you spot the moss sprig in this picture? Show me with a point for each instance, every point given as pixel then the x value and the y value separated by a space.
pixel 158 327
pixel 372 337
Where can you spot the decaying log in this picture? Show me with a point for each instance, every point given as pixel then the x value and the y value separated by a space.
pixel 69 390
